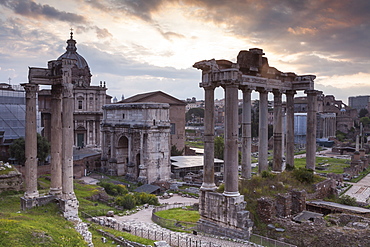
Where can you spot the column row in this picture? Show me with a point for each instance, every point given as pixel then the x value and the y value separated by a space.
pixel 231 134
pixel 61 141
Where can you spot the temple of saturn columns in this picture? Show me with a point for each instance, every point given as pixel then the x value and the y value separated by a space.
pixel 226 212
pixel 58 75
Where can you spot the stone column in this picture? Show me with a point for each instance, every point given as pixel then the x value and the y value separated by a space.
pixel 263 131
pixel 56 140
pixel 67 141
pixel 94 133
pixel 246 134
pixel 209 129
pixel 290 128
pixel 311 129
pixel 278 132
pixel 87 123
pixel 31 142
pixel 231 140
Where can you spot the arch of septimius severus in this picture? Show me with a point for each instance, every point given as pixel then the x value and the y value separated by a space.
pixel 251 72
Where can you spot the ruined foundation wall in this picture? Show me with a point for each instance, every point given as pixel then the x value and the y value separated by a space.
pixel 224 215
pixel 11 181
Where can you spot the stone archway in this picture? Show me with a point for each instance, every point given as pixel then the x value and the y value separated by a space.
pixel 122 152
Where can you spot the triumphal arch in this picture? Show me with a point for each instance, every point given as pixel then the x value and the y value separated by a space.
pixel 225 212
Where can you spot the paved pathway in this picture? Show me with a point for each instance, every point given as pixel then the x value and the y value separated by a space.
pixel 360 190
pixel 143 220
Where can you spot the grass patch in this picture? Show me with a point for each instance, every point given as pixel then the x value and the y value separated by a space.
pixel 45 226
pixel 195 144
pixel 180 214
pixel 125 235
pixel 41 226
pixel 84 192
pixel 325 164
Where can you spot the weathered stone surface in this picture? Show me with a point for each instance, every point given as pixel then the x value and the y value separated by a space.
pixel 110 214
pixel 318 235
pixel 136 141
pixel 283 205
pixel 161 244
pixel 323 189
pixel 10 182
pixel 220 214
pixel 298 201
pixel 266 208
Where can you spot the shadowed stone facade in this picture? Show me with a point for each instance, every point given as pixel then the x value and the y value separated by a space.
pixel 136 141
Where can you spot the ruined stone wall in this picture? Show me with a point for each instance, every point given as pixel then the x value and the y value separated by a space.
pixel 220 214
pixel 158 156
pixel 11 181
pixel 323 189
pixel 282 206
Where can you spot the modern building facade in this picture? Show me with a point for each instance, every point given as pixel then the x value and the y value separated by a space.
pixel 359 102
pixel 12 116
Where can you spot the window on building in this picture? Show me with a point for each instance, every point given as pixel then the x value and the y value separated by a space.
pixel 123 116
pixel 80 104
pixel 173 128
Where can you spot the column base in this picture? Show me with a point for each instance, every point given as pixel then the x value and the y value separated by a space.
pixel 227 193
pixel 55 191
pixel 28 203
pixel 69 208
pixel 208 187
pixel 31 195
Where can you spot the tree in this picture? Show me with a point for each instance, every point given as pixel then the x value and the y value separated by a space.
pixel 18 147
pixel 194 112
pixel 362 113
pixel 365 121
pixel 43 148
pixel 219 147
pixel 175 151
pixel 17 150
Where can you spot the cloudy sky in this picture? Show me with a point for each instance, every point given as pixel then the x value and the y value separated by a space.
pixel 139 46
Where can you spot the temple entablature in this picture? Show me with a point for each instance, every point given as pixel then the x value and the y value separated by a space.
pixel 252 70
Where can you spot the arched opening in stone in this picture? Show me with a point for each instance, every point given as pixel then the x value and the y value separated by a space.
pixel 137 165
pixel 122 150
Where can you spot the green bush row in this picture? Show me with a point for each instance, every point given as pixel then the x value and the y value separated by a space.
pixel 129 201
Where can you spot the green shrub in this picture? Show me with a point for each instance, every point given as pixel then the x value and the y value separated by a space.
pixel 145 198
pixel 114 189
pixel 267 174
pixel 347 200
pixel 303 175
pixel 127 201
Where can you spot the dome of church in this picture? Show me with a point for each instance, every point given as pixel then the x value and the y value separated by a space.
pixel 81 76
pixel 71 53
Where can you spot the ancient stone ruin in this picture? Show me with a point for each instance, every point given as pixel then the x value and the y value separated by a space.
pixel 226 212
pixel 136 140
pixel 61 75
